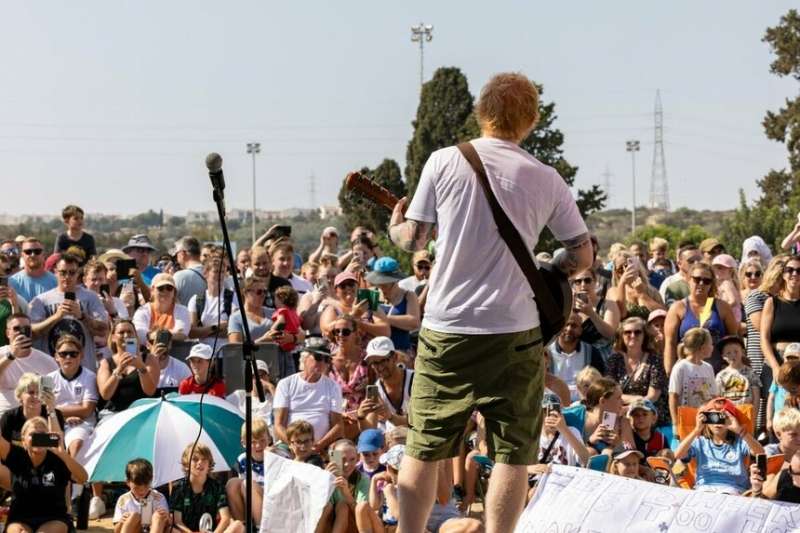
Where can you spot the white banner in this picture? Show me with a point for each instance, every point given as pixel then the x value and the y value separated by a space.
pixel 572 500
pixel 294 495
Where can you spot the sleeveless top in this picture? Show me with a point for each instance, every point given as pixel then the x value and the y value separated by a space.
pixel 400 337
pixel 714 323
pixel 395 409
pixel 786 321
pixel 129 389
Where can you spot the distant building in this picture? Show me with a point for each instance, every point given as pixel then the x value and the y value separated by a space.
pixel 329 211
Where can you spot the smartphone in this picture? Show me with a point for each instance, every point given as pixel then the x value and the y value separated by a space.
pixel 609 419
pixel 370 295
pixel 554 408
pixel 322 283
pixel 124 267
pixel 26 331
pixel 761 461
pixel 105 289
pixel 163 337
pixel 131 347
pixel 337 458
pixel 582 296
pixel 46 384
pixel 372 393
pixel 44 440
pixel 69 295
pixel 713 417
pixel 3 281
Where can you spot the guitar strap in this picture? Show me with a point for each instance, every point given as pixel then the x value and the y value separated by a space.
pixel 541 293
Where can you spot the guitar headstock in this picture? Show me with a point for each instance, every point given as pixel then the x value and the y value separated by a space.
pixel 357 182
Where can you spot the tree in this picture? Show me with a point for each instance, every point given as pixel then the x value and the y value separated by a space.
pixel 361 212
pixel 444 106
pixel 774 214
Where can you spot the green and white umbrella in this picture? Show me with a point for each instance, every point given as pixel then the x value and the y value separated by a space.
pixel 158 430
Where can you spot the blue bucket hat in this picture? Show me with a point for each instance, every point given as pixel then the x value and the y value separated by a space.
pixel 385 270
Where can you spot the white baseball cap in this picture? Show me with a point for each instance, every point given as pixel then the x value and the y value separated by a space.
pixel 200 351
pixel 379 347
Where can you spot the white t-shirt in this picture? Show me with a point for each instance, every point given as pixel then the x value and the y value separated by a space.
pixel 694 384
pixel 75 391
pixel 312 402
pixel 146 508
pixel 566 366
pixel 142 318
pixel 259 409
pixel 211 315
pixel 37 362
pixel 477 286
pixel 561 453
pixel 172 375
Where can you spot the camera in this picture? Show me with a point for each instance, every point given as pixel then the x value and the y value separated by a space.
pixel 714 417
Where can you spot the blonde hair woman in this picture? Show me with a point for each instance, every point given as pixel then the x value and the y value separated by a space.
pixel 631 289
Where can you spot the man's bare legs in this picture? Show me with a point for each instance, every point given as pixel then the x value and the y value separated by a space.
pixel 505 498
pixel 416 491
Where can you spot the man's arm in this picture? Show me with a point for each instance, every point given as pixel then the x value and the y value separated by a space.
pixel 577 255
pixel 281 418
pixel 410 235
pixel 334 433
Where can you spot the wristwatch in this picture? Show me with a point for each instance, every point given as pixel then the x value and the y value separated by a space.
pixel 10 356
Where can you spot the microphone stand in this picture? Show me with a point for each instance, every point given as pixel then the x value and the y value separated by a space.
pixel 250 369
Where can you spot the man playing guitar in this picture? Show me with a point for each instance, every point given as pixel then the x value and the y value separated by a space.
pixel 480 346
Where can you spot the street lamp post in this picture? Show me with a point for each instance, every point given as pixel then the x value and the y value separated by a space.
pixel 632 146
pixel 254 148
pixel 421 34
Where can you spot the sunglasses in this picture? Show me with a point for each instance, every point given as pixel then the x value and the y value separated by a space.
pixel 582 281
pixel 706 281
pixel 347 285
pixel 423 266
pixel 67 273
pixel 318 357
pixel 791 271
pixel 33 251
pixel 10 251
pixel 165 288
pixel 756 274
pixel 344 332
pixel 379 362
pixel 71 354
pixel 634 332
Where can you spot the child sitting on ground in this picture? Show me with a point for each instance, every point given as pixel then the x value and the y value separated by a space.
pixel 141 508
pixel 301 442
pixel 236 488
pixel 198 502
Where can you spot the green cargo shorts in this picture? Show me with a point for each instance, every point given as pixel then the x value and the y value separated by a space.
pixel 500 375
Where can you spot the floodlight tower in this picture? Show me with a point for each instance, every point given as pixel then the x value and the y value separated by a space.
pixel 421 34
pixel 254 148
pixel 632 146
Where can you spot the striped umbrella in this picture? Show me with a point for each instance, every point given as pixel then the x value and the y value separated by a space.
pixel 158 429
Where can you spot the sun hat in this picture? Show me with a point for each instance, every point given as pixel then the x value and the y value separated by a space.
pixel 385 270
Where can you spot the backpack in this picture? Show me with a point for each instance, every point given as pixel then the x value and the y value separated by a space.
pixel 200 304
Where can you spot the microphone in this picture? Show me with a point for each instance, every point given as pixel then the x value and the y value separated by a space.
pixel 214 165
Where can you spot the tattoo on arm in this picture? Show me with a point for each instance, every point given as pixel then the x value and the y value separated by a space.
pixel 410 235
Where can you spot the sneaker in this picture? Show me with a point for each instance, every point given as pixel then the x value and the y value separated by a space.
pixel 97 508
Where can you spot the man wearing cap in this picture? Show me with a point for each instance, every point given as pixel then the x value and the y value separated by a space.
pixel 33 279
pixel 53 315
pixel 189 280
pixel 480 345
pixel 312 396
pixel 204 379
pixel 711 248
pixel 394 387
pixel 140 248
pixel 421 261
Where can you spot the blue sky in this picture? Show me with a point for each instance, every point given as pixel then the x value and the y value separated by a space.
pixel 114 105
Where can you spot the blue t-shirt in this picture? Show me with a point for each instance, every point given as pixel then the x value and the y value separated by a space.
pixel 721 465
pixel 29 287
pixel 149 273
pixel 780 397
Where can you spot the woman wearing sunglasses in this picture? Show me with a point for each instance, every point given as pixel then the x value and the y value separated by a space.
pixel 344 302
pixel 347 368
pixel 631 289
pixel 163 311
pixel 699 309
pixel 258 316
pixel 75 391
pixel 600 316
pixel 638 368
pixel 780 319
pixel 770 283
pixel 751 272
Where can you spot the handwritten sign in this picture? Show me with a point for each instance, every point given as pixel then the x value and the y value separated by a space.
pixel 571 499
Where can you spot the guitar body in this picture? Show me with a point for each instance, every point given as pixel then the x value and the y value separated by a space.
pixel 561 291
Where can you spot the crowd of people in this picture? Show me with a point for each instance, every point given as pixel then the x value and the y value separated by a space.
pixel 675 369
